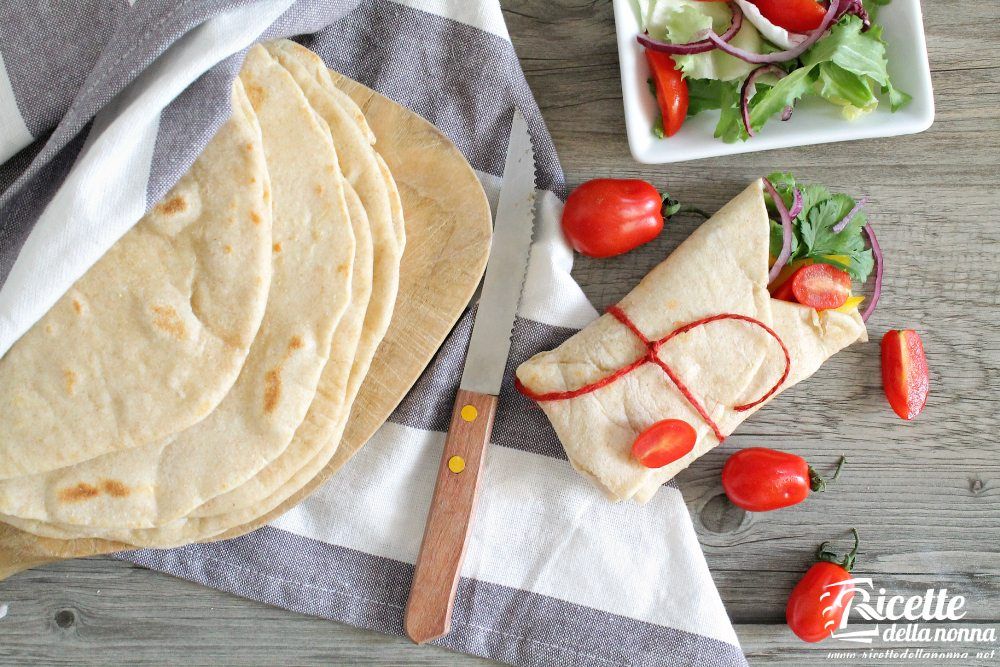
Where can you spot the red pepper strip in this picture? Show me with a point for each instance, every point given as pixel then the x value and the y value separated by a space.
pixel 651 356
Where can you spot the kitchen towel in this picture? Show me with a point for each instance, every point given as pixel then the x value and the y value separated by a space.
pixel 104 104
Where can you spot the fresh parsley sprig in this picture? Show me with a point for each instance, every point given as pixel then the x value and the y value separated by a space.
pixel 813 236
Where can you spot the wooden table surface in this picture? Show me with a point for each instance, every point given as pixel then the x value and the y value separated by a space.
pixel 924 495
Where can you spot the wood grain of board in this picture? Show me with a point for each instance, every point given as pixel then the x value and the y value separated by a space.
pixel 925 496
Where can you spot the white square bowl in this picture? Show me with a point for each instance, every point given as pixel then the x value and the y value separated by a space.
pixel 815 121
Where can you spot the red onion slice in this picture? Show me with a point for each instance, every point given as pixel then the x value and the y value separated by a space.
pixel 750 87
pixel 797 204
pixel 786 232
pixel 780 56
pixel 700 46
pixel 857 8
pixel 842 225
pixel 877 254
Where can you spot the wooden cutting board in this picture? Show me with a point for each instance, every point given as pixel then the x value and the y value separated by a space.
pixel 448 233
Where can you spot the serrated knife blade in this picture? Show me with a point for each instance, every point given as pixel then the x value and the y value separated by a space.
pixel 505 271
pixel 435 578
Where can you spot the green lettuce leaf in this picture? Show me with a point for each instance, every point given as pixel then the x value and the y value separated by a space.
pixel 730 126
pixel 771 100
pixel 837 85
pixel 658 131
pixel 641 8
pixel 897 98
pixel 709 94
pixel 682 21
pixel 872 7
pixel 705 95
pixel 845 68
pixel 861 53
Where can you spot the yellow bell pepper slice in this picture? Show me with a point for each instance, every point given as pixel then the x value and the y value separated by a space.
pixel 851 304
pixel 843 260
pixel 787 271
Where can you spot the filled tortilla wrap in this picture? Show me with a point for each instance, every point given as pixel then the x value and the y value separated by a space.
pixel 725 357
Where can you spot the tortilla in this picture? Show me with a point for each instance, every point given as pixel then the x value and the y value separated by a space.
pixel 332 396
pixel 380 208
pixel 318 437
pixel 303 62
pixel 448 206
pixel 310 290
pixel 320 429
pixel 376 323
pixel 721 268
pixel 150 339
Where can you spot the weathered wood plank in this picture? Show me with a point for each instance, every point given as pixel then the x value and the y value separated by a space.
pixel 100 612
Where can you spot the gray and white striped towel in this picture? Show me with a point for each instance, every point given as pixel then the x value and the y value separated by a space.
pixel 104 103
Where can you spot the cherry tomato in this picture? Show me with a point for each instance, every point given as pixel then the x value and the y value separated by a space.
pixel 905 377
pixel 821 286
pixel 816 605
pixel 671 90
pixel 664 442
pixel 608 216
pixel 792 15
pixel 760 479
pixel 784 292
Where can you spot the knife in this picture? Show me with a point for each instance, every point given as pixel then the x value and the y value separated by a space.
pixel 432 595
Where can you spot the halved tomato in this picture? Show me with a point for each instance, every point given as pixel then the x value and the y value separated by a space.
pixel 664 442
pixel 821 286
pixel 905 377
pixel 792 15
pixel 671 90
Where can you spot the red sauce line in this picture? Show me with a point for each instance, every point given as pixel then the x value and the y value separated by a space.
pixel 652 356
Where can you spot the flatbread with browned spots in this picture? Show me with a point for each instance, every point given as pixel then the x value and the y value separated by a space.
pixel 378 210
pixel 152 337
pixel 313 252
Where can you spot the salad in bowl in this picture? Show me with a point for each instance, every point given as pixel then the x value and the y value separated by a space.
pixel 754 60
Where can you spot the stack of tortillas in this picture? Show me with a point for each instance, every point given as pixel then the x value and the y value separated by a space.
pixel 203 371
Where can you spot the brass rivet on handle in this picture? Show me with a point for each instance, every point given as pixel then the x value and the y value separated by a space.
pixel 469 413
pixel 456 464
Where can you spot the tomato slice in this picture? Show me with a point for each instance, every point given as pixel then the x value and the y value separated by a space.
pixel 792 15
pixel 821 286
pixel 905 376
pixel 664 442
pixel 671 90
pixel 784 292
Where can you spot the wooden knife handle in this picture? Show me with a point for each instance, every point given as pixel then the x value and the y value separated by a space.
pixel 432 595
